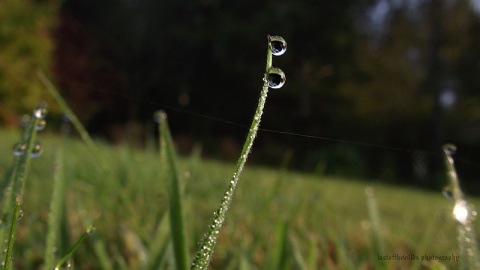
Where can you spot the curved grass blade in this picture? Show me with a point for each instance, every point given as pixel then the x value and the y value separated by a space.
pixel 177 225
pixel 207 246
pixel 74 247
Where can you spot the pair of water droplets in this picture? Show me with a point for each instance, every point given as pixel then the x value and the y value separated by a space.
pixel 20 148
pixel 275 76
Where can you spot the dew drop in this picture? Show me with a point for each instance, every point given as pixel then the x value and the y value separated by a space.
pixel 275 78
pixel 460 212
pixel 37 150
pixel 159 116
pixel 447 193
pixel 40 111
pixel 24 120
pixel 449 149
pixel 278 45
pixel 41 125
pixel 19 149
pixel 20 214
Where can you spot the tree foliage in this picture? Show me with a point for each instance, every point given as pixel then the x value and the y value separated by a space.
pixel 25 47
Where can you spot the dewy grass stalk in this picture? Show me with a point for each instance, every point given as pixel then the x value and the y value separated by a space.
pixel 25 150
pixel 464 214
pixel 274 78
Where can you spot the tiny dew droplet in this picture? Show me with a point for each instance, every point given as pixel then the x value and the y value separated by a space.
pixel 275 78
pixel 447 193
pixel 19 149
pixel 24 120
pixel 278 45
pixel 40 111
pixel 449 149
pixel 37 150
pixel 41 125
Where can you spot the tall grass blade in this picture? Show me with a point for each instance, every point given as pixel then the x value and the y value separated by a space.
pixel 176 209
pixel 17 185
pixel 378 247
pixel 207 246
pixel 280 255
pixel 158 247
pixel 56 206
pixel 464 214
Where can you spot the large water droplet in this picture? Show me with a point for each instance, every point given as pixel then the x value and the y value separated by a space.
pixel 19 149
pixel 275 78
pixel 278 44
pixel 449 149
pixel 40 111
pixel 447 193
pixel 37 150
pixel 41 125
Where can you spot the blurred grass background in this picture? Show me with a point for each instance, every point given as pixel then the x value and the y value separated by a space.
pixel 324 214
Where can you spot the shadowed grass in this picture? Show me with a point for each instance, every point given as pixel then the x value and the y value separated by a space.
pixel 177 226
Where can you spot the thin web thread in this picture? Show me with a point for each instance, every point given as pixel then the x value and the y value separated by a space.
pixel 274 131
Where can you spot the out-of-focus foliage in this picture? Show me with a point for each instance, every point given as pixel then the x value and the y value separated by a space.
pixel 26 46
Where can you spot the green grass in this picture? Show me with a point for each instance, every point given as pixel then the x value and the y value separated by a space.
pixel 326 216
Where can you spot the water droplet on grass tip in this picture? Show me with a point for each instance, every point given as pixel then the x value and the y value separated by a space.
pixel 449 149
pixel 278 45
pixel 159 116
pixel 37 150
pixel 41 125
pixel 275 78
pixel 40 111
pixel 19 149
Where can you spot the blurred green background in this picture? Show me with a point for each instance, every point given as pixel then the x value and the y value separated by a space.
pixel 389 81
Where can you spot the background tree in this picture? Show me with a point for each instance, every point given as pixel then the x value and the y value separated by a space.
pixel 25 47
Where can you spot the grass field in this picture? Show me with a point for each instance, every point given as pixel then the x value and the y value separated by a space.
pixel 323 222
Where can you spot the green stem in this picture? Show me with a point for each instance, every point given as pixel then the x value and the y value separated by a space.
pixel 204 254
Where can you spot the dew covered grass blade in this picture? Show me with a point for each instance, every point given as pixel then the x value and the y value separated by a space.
pixel 273 78
pixel 464 215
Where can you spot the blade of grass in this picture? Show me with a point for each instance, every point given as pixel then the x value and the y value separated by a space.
pixel 159 246
pixel 378 247
pixel 55 213
pixel 18 183
pixel 176 209
pixel 280 250
pixel 74 247
pixel 7 262
pixel 464 215
pixel 207 246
